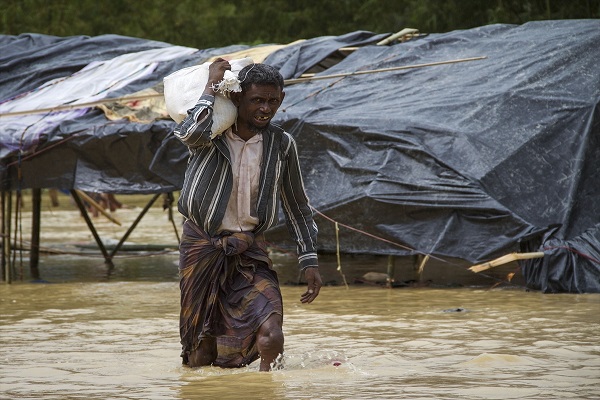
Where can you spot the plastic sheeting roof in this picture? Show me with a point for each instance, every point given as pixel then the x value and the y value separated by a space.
pixel 471 160
pixel 468 160
pixel 459 156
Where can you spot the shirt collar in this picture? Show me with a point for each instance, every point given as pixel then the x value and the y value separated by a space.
pixel 254 139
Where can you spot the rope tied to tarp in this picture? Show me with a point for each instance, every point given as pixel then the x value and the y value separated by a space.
pixel 378 237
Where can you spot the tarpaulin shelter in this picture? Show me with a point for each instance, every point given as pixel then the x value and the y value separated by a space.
pixel 470 159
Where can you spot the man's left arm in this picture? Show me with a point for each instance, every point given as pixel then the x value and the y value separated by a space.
pixel 300 222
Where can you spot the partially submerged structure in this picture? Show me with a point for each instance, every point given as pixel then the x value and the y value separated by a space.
pixel 469 144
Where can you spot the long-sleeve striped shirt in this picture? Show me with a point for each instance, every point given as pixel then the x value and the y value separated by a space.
pixel 208 181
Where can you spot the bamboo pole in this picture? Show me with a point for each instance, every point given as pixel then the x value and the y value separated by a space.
pixel 403 32
pixel 132 227
pixel 506 259
pixel 88 221
pixel 375 71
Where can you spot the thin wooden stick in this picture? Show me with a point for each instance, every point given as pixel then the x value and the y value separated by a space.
pixel 339 259
pixel 374 71
pixel 506 259
pixel 422 265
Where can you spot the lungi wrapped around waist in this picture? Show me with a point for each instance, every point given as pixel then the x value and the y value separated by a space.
pixel 228 290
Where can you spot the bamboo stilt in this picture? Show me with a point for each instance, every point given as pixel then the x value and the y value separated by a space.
pixel 422 267
pixel 88 221
pixel 132 227
pixel 18 233
pixel 391 270
pixel 34 250
pixel 169 204
pixel 6 250
pixel 3 233
pixel 339 259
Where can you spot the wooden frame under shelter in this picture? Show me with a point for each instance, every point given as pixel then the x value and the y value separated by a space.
pixel 11 243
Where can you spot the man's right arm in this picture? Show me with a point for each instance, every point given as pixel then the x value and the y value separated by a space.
pixel 195 129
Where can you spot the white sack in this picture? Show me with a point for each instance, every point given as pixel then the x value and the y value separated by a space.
pixel 184 87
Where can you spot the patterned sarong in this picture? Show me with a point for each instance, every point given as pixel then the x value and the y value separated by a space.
pixel 228 290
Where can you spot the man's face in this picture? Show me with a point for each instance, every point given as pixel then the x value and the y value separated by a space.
pixel 257 106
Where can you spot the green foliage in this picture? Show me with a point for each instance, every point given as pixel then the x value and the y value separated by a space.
pixel 214 23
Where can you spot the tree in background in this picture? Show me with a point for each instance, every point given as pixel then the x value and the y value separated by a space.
pixel 214 23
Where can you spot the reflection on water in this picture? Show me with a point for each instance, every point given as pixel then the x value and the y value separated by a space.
pixel 99 339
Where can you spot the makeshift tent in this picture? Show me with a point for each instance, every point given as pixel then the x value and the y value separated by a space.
pixel 472 159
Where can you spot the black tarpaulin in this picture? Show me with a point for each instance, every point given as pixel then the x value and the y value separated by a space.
pixel 567 266
pixel 461 159
pixel 464 160
pixel 88 151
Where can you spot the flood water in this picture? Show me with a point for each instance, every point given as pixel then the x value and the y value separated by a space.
pixel 102 340
pixel 84 332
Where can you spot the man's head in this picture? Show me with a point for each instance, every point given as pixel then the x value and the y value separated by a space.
pixel 260 98
pixel 260 74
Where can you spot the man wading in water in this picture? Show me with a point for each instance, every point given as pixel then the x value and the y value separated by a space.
pixel 231 305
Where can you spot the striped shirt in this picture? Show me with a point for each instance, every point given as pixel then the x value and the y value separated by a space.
pixel 209 180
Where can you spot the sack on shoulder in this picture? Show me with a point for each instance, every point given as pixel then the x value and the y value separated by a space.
pixel 184 87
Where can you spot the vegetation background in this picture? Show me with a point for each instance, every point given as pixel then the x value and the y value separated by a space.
pixel 217 23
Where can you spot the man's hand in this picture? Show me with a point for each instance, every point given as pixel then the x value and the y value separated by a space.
pixel 313 278
pixel 216 70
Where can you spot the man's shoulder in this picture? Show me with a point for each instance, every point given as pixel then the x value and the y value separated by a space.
pixel 280 139
pixel 278 130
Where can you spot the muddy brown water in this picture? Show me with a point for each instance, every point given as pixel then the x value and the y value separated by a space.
pixel 87 331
